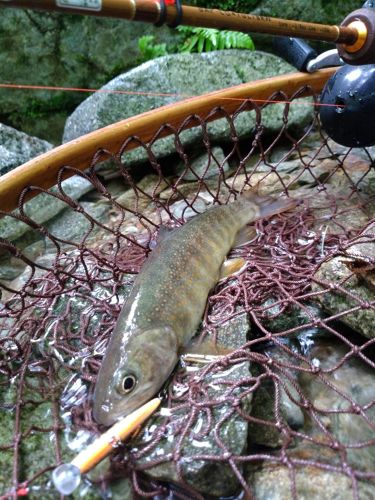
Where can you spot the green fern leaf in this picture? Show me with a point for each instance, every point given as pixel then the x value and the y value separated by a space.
pixel 201 41
pixel 221 43
pixel 190 43
pixel 207 39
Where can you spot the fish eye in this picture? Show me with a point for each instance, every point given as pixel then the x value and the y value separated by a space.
pixel 127 384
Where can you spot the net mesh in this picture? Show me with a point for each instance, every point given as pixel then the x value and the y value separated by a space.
pixel 289 412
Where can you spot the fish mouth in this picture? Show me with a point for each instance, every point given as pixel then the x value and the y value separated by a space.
pixel 108 412
pixel 104 415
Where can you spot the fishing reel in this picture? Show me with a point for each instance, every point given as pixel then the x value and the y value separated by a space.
pixel 347 108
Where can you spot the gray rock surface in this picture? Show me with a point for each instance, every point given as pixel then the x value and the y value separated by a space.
pixel 271 482
pixel 43 207
pixel 354 380
pixel 17 148
pixel 263 404
pixel 183 75
pixel 355 286
pixel 204 166
pixel 72 226
pixel 294 316
pixel 330 395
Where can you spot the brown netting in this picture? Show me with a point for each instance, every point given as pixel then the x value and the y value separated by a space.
pixel 290 412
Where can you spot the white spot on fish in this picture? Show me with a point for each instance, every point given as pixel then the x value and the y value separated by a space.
pixel 106 407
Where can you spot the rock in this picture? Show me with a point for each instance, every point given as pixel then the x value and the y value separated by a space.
pixel 182 210
pixel 82 312
pixel 147 188
pixel 331 406
pixel 8 160
pixel 234 333
pixel 43 207
pixel 73 51
pixel 353 379
pixel 345 289
pixel 72 226
pixel 17 148
pixel 277 320
pixel 188 190
pixel 11 267
pixel 10 271
pixel 263 404
pixel 316 12
pixel 184 75
pixel 207 477
pixel 294 318
pixel 36 450
pixel 204 166
pixel 46 260
pixel 271 482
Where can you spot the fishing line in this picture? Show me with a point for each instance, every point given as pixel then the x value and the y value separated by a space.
pixel 16 86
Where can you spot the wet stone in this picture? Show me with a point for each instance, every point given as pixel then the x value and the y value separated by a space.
pixel 209 477
pixel 72 226
pixel 355 286
pixel 276 320
pixel 271 482
pixel 43 207
pixel 354 380
pixel 12 267
pixel 9 271
pixel 204 166
pixel 81 309
pixel 234 333
pixel 263 405
pixel 17 148
pixel 147 188
pixel 185 211
pixel 333 409
pixel 187 190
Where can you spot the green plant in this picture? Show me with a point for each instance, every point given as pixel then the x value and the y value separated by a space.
pixel 149 49
pixel 235 5
pixel 207 39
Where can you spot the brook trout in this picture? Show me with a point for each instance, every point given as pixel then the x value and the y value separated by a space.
pixel 167 302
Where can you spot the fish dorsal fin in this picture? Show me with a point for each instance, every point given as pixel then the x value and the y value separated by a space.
pixel 164 232
pixel 245 236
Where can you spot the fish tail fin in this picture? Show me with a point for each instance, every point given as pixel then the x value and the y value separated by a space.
pixel 269 205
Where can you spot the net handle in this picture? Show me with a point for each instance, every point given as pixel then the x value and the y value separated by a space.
pixel 42 171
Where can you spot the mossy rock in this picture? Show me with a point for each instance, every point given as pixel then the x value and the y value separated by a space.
pixel 186 75
pixel 62 50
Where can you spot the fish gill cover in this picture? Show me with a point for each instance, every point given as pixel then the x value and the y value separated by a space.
pixel 289 412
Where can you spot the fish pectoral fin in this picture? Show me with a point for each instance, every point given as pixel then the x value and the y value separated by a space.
pixel 246 235
pixel 231 267
pixel 200 358
pixel 203 351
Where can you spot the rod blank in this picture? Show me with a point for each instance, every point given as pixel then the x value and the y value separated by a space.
pixel 149 11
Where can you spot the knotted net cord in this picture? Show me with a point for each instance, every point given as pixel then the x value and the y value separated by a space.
pixel 55 322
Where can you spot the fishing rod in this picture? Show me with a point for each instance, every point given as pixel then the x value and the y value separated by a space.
pixel 355 36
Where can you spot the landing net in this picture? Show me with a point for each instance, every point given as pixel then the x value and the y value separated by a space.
pixel 289 413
